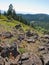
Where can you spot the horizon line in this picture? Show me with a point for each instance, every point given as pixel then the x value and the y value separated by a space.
pixel 23 12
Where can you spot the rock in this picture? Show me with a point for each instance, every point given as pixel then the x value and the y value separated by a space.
pixel 41 48
pixel 6 60
pixel 46 59
pixel 29 33
pixel 21 37
pixel 1 61
pixel 31 40
pixel 46 36
pixel 18 26
pixel 35 36
pixel 47 63
pixel 29 59
pixel 42 60
pixel 24 59
pixel 13 50
pixel 14 61
pixel 5 52
pixel 7 35
pixel 25 56
pixel 1 48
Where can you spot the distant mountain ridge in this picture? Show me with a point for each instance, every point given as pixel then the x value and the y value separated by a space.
pixel 40 20
pixel 35 17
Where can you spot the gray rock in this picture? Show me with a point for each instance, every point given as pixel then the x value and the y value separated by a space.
pixel 46 59
pixel 29 33
pixel 5 51
pixel 21 37
pixel 1 61
pixel 41 48
pixel 7 35
pixel 46 36
pixel 18 26
pixel 30 40
pixel 29 59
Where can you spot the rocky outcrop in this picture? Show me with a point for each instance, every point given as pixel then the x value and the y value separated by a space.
pixel 5 51
pixel 29 59
pixel 24 59
pixel 6 35
pixel 10 55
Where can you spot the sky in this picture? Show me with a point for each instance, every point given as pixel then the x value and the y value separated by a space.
pixel 26 6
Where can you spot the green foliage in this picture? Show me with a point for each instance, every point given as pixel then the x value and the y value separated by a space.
pixel 21 50
pixel 10 10
pixel 3 17
pixel 41 20
pixel 5 13
pixel 0 13
pixel 12 14
pixel 42 24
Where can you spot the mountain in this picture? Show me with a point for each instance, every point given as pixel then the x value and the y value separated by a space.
pixel 35 17
pixel 41 20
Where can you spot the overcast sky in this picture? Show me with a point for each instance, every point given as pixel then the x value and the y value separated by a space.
pixel 27 6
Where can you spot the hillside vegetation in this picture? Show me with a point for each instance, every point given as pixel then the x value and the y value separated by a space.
pixel 41 20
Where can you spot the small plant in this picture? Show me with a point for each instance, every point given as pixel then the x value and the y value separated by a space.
pixel 21 50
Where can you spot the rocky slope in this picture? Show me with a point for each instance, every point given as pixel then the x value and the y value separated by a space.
pixel 22 45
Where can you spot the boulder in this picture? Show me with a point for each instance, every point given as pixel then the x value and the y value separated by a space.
pixel 35 36
pixel 14 51
pixel 29 33
pixel 1 61
pixel 29 59
pixel 46 59
pixel 47 63
pixel 46 36
pixel 7 35
pixel 30 40
pixel 5 52
pixel 41 48
pixel 21 37
pixel 25 56
pixel 18 26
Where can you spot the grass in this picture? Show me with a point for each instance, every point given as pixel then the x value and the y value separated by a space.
pixel 8 25
pixel 21 50
pixel 24 46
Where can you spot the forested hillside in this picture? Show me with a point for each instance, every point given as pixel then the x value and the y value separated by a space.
pixel 41 20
